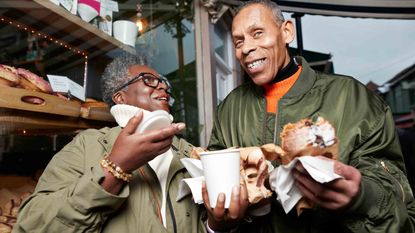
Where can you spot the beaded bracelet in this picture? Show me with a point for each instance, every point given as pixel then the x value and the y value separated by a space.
pixel 116 171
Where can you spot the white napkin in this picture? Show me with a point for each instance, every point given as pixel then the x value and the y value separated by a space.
pixel 282 182
pixel 192 185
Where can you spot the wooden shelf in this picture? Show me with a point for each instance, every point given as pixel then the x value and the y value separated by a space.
pixel 32 123
pixel 14 98
pixel 54 20
pixel 54 113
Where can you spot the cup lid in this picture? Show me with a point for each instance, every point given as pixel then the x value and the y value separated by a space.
pixel 158 119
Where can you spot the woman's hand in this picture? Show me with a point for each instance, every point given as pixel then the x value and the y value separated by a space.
pixel 132 149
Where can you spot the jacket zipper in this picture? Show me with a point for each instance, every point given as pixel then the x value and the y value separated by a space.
pixel 275 139
pixel 382 163
pixel 264 126
pixel 173 217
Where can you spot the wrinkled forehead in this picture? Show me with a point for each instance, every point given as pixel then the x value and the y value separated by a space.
pixel 137 69
pixel 251 15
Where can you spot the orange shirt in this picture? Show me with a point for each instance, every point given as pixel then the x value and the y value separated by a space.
pixel 275 91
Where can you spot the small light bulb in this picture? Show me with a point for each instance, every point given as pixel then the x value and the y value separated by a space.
pixel 140 25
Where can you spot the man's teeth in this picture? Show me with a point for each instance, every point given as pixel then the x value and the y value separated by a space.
pixel 256 63
pixel 162 98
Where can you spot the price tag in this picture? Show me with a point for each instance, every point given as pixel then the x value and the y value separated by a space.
pixel 63 84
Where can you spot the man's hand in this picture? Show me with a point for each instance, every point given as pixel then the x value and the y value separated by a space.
pixel 221 219
pixel 131 149
pixel 335 195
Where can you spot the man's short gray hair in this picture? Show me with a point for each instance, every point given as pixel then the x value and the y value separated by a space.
pixel 116 74
pixel 276 10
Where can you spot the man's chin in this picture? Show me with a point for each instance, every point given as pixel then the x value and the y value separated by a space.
pixel 260 81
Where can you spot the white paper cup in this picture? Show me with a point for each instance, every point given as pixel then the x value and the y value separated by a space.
pixel 221 171
pixel 125 31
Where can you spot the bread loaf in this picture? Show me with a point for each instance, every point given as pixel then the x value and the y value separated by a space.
pixel 8 76
pixel 33 82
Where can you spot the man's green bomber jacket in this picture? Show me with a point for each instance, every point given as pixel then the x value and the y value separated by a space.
pixel 368 141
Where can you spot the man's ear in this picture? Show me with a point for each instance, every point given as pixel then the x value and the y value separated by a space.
pixel 118 97
pixel 288 32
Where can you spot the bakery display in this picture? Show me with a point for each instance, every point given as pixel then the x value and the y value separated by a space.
pixel 10 200
pixel 26 91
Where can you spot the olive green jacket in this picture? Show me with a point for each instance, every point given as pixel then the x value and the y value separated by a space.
pixel 368 141
pixel 68 197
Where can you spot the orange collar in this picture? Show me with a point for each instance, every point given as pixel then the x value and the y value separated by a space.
pixel 275 91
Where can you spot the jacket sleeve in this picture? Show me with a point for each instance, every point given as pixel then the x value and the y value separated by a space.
pixel 385 202
pixel 68 197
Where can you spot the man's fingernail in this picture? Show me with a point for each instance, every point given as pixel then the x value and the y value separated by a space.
pixel 180 126
pixel 221 197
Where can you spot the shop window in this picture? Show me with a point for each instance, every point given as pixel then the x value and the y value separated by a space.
pixel 170 50
pixel 225 81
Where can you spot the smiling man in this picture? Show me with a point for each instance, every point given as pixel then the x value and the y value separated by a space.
pixel 374 194
pixel 119 180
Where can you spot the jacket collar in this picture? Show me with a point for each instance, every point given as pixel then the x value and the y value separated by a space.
pixel 180 149
pixel 304 82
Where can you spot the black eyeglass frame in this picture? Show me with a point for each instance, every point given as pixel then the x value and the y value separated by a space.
pixel 142 75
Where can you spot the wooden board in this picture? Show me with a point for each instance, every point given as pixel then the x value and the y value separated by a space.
pixel 14 98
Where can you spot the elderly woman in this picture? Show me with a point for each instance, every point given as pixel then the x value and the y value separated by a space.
pixel 107 180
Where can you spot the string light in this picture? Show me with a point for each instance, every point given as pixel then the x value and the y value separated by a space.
pixel 53 40
pixel 141 24
pixel 45 36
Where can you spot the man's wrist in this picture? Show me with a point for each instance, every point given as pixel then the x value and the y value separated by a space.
pixel 210 230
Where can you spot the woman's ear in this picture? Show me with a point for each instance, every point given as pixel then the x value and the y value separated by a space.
pixel 287 29
pixel 118 97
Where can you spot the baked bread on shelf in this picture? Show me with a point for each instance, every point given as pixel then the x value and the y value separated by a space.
pixel 33 82
pixel 8 76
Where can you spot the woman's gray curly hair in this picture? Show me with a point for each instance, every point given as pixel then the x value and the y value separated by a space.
pixel 116 74
pixel 276 10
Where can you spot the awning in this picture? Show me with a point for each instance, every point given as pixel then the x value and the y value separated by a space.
pixel 385 9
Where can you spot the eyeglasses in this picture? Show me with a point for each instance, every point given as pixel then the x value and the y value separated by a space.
pixel 149 80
